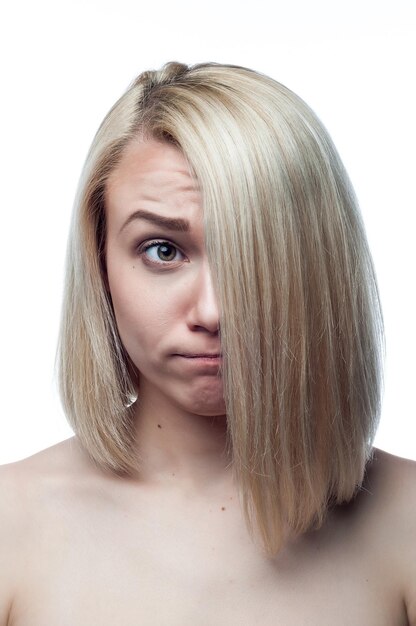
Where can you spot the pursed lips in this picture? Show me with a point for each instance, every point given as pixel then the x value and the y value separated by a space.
pixel 201 356
pixel 201 363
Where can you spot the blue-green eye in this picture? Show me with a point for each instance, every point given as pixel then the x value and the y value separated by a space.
pixel 162 252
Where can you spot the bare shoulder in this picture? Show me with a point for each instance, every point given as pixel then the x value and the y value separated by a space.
pixel 28 484
pixel 391 488
pixel 23 481
pixel 390 483
pixel 26 488
pixel 394 468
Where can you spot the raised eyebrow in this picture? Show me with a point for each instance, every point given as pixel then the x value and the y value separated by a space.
pixel 171 223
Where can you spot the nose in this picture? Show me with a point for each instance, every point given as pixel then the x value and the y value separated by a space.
pixel 203 310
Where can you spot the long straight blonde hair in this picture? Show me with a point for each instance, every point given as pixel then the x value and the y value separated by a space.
pixel 301 324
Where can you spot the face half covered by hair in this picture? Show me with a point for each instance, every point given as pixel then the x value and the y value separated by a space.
pixel 301 327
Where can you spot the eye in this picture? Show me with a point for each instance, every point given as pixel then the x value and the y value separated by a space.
pixel 161 252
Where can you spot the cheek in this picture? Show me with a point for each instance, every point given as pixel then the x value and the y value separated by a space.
pixel 144 316
pixel 136 319
pixel 132 310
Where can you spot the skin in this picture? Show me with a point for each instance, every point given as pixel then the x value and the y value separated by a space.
pixel 177 314
pixel 81 546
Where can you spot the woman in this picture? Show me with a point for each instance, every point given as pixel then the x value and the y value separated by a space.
pixel 220 364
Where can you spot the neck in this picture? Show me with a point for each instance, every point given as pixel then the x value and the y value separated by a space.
pixel 180 449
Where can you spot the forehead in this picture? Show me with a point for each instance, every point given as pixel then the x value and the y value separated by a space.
pixel 151 175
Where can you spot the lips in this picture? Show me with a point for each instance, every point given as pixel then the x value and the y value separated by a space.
pixel 202 356
pixel 200 363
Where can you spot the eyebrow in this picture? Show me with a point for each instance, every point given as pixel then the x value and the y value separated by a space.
pixel 171 223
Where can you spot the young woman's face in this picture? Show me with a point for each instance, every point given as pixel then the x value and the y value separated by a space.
pixel 159 278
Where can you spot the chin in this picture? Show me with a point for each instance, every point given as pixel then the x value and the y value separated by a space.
pixel 206 408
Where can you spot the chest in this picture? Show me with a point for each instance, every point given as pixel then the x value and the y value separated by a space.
pixel 197 568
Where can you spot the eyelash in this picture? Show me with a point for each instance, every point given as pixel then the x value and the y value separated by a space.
pixel 154 244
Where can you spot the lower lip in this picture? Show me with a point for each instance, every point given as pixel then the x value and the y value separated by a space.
pixel 201 361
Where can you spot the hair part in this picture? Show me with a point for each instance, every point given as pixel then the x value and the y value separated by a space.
pixel 301 323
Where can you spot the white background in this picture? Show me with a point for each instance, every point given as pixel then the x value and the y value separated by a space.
pixel 63 66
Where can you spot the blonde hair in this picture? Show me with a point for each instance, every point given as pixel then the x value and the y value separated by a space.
pixel 301 324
